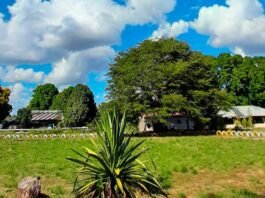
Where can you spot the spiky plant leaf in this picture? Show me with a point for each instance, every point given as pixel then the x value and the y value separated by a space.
pixel 113 169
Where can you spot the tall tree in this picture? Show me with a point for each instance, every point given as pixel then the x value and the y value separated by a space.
pixel 5 107
pixel 59 102
pixel 80 108
pixel 165 76
pixel 243 78
pixel 43 97
pixel 23 117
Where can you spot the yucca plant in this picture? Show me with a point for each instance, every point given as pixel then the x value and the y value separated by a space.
pixel 113 169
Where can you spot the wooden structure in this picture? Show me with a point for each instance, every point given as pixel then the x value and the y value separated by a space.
pixel 46 118
pixel 239 112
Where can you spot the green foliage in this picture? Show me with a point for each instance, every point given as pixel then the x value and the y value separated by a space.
pixel 5 108
pixel 165 76
pixel 243 78
pixel 245 123
pixel 237 123
pixel 60 101
pixel 249 122
pixel 114 169
pixel 43 97
pixel 23 117
pixel 80 107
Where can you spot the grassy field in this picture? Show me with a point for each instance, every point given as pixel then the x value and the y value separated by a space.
pixel 188 166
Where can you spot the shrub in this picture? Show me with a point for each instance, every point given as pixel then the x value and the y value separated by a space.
pixel 249 122
pixel 113 170
pixel 244 123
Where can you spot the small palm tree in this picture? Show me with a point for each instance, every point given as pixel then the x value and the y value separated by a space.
pixel 113 170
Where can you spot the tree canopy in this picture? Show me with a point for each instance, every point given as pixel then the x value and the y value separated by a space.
pixel 5 107
pixel 23 117
pixel 60 100
pixel 43 96
pixel 243 78
pixel 165 76
pixel 80 108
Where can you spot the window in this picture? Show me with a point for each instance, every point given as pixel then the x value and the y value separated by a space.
pixel 258 120
pixel 229 121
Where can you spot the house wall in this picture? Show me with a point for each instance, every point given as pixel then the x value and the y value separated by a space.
pixel 173 123
pixel 179 123
pixel 145 124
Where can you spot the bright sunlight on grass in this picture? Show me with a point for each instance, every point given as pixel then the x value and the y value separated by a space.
pixel 180 161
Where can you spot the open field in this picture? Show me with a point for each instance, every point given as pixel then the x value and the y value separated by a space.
pixel 189 166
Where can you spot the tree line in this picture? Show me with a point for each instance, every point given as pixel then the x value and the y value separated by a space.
pixel 161 77
pixel 76 103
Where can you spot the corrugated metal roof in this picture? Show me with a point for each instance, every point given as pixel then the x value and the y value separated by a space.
pixel 243 111
pixel 46 115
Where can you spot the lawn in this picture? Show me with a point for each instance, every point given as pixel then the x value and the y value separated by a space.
pixel 188 166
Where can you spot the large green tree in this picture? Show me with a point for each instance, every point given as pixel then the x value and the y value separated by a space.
pixel 80 107
pixel 23 117
pixel 5 107
pixel 243 78
pixel 43 96
pixel 165 76
pixel 60 101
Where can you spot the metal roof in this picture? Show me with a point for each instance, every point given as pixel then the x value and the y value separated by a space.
pixel 46 115
pixel 243 111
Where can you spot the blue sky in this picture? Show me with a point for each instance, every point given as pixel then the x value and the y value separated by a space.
pixel 66 42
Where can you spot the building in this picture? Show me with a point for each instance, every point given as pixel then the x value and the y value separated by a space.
pixel 46 118
pixel 239 112
pixel 176 121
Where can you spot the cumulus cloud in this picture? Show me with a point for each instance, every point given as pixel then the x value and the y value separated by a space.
pixel 171 30
pixel 77 65
pixel 75 37
pixel 19 96
pixel 67 33
pixel 11 74
pixel 240 25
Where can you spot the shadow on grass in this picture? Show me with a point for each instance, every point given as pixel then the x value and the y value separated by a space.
pixel 44 196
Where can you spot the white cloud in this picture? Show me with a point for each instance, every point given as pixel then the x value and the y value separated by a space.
pixel 63 32
pixel 76 67
pixel 12 75
pixel 240 26
pixel 74 36
pixel 19 96
pixel 171 30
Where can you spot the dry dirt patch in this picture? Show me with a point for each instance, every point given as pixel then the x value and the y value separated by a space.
pixel 208 181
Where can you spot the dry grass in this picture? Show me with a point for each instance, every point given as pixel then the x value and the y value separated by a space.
pixel 210 182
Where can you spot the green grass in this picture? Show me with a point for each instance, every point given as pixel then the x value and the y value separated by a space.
pixel 173 154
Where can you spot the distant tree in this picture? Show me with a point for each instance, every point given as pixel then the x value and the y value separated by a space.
pixel 80 108
pixel 108 106
pixel 165 76
pixel 43 96
pixel 5 108
pixel 23 117
pixel 242 78
pixel 59 102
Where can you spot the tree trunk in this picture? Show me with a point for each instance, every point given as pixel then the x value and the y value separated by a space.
pixel 29 187
pixel 187 122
